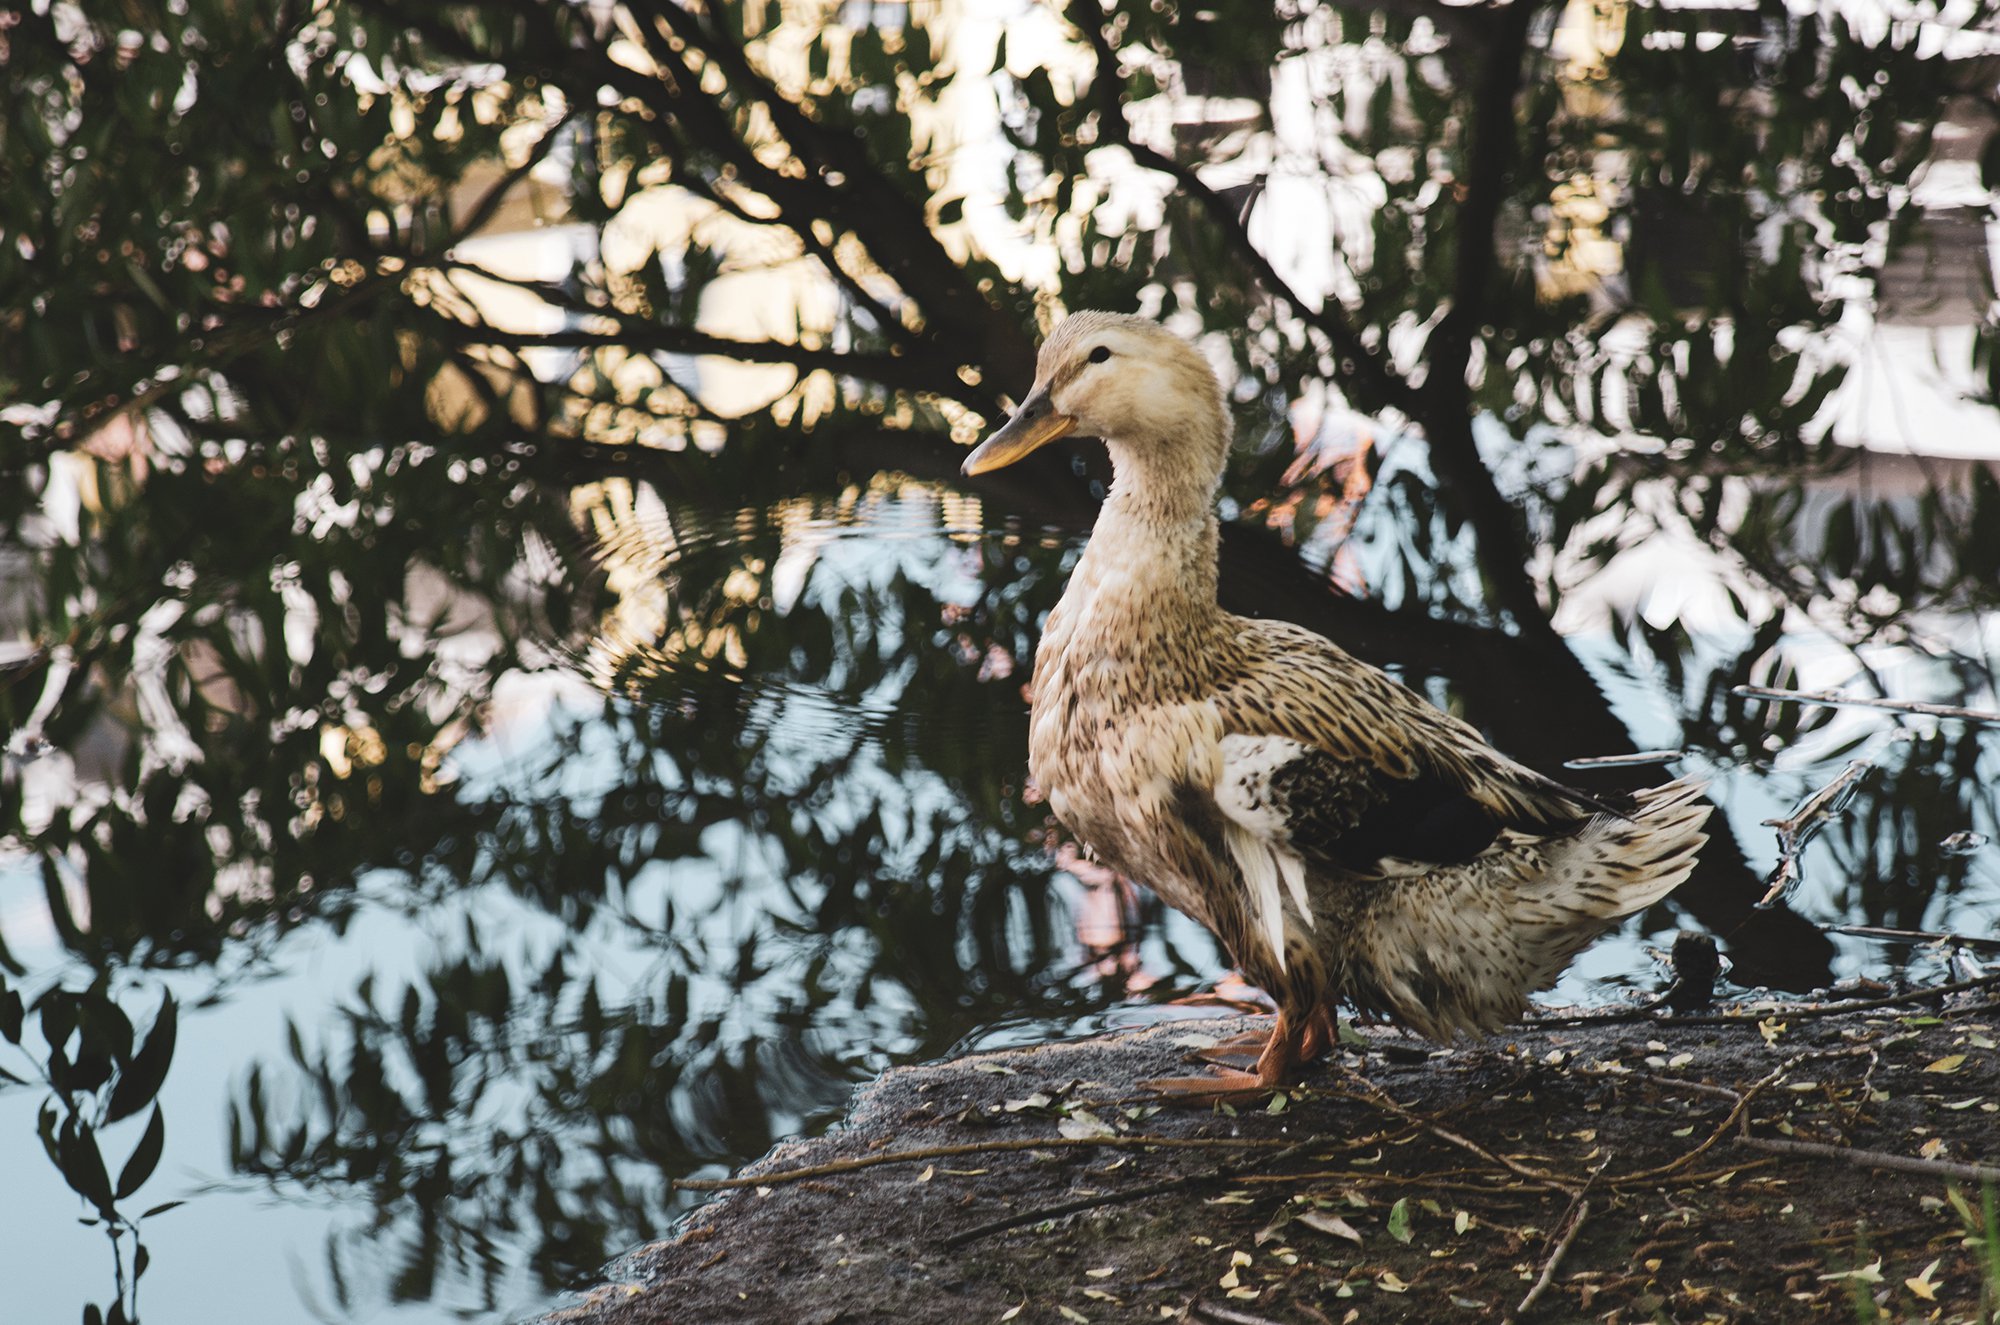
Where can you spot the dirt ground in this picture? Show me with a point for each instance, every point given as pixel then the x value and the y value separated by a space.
pixel 1641 1169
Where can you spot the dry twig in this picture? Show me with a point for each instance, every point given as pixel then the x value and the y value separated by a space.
pixel 1875 1159
pixel 1913 936
pixel 854 1162
pixel 1375 1096
pixel 1835 699
pixel 1804 823
pixel 1220 1173
pixel 1636 759
pixel 1228 1315
pixel 1739 1113
pixel 1572 1222
pixel 1750 1015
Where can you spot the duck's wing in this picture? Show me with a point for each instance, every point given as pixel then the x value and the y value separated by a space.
pixel 1332 760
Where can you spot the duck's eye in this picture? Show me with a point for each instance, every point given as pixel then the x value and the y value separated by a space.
pixel 1100 354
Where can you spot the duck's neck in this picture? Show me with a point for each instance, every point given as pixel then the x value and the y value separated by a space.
pixel 1151 562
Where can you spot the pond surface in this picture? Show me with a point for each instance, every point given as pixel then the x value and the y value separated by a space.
pixel 751 831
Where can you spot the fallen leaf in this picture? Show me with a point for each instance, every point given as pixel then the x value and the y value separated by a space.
pixel 1389 1283
pixel 1867 1274
pixel 930 1171
pixel 1925 1284
pixel 1013 1311
pixel 1102 1272
pixel 996 1070
pixel 1461 1222
pixel 1230 1280
pixel 1771 1028
pixel 1082 1125
pixel 1333 1225
pixel 1246 1294
pixel 1035 1101
pixel 1949 1063
pixel 1399 1220
pixel 1071 1313
pixel 1240 1258
pixel 1932 1148
pixel 1099 1295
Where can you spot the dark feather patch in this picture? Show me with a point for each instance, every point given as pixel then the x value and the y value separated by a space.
pixel 1353 814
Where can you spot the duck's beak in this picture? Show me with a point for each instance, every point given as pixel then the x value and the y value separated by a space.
pixel 1037 422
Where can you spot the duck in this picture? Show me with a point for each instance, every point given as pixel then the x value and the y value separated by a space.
pixel 1347 842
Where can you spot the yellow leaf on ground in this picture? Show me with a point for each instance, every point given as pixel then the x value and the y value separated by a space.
pixel 1949 1063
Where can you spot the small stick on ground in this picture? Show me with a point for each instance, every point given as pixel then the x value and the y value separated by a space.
pixel 1875 1159
pixel 1220 1173
pixel 1738 1115
pixel 1228 1315
pixel 849 1165
pixel 1579 1210
pixel 1752 1014
pixel 1835 699
pixel 1375 1096
pixel 1804 823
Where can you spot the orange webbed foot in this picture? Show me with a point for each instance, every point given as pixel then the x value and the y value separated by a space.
pixel 1224 1085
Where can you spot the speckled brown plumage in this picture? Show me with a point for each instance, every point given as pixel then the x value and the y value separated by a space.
pixel 1341 836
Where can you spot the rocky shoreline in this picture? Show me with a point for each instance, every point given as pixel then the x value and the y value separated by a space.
pixel 1768 1162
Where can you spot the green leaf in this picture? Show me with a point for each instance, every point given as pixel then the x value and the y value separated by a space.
pixel 145 1156
pixel 82 1165
pixel 142 1078
pixel 1399 1220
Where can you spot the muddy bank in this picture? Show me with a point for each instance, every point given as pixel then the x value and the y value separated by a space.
pixel 1727 1168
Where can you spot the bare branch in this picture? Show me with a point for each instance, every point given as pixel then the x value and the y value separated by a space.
pixel 1107 88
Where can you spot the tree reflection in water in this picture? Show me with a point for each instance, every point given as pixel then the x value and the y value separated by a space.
pixel 613 779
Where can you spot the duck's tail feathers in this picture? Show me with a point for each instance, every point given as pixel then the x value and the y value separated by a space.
pixel 1617 864
pixel 1459 950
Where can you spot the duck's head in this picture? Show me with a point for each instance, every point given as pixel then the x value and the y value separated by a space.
pixel 1144 390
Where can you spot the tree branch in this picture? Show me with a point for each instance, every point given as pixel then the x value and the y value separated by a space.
pixel 890 370
pixel 1107 89
pixel 1490 154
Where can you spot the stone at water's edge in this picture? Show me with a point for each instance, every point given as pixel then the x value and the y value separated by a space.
pixel 1404 1184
